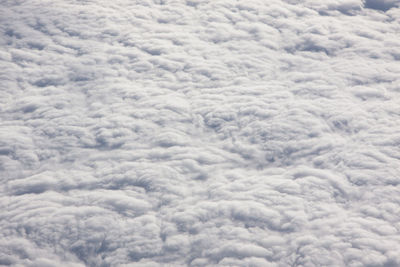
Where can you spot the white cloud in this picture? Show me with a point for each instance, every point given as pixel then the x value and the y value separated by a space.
pixel 199 133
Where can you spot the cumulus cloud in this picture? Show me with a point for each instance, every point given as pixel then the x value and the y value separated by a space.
pixel 199 133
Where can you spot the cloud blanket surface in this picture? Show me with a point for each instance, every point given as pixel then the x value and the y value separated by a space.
pixel 201 133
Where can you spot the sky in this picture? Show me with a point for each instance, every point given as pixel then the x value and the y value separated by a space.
pixel 199 133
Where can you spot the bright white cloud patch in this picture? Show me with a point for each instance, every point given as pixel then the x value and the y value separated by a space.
pixel 200 133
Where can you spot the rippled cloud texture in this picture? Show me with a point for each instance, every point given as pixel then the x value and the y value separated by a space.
pixel 201 133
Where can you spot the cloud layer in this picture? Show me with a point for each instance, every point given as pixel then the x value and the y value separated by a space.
pixel 229 133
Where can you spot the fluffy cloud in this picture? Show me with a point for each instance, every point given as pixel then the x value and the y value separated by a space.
pixel 199 133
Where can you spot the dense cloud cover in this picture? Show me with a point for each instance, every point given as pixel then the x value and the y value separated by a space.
pixel 237 133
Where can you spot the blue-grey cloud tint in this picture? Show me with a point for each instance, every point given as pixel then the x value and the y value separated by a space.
pixel 237 133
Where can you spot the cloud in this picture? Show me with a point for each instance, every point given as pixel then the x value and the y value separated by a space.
pixel 383 5
pixel 199 133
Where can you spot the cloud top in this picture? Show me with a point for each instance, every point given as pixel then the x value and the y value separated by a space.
pixel 202 133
